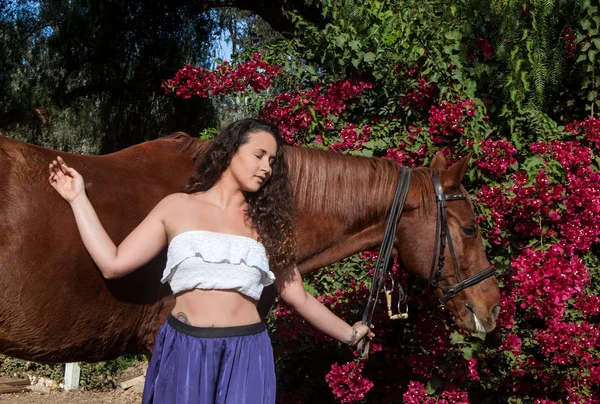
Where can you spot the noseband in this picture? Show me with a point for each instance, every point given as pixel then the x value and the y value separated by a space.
pixel 442 238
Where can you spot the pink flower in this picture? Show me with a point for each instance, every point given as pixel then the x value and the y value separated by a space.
pixel 498 156
pixel 416 393
pixel 255 74
pixel 347 382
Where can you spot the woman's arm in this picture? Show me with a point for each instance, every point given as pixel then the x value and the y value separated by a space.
pixel 140 246
pixel 292 291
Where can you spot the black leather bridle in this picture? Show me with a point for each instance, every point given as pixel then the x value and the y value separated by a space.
pixel 443 231
pixel 442 238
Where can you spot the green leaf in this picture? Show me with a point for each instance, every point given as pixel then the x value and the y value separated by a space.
pixel 467 352
pixel 369 57
pixel 380 144
pixel 433 385
pixel 516 140
pixel 456 35
pixel 456 338
pixel 354 45
pixel 533 163
pixel 340 40
pixel 525 81
pixel 586 24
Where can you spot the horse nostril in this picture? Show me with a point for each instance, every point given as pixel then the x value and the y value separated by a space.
pixel 470 308
pixel 495 312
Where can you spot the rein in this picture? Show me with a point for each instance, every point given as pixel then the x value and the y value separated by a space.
pixel 442 238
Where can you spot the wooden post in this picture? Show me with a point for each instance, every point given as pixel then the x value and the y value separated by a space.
pixel 72 372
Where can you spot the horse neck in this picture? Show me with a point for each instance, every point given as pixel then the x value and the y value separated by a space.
pixel 343 202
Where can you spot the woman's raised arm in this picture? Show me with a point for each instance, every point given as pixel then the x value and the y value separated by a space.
pixel 139 247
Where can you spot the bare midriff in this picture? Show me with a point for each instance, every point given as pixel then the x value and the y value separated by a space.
pixel 216 308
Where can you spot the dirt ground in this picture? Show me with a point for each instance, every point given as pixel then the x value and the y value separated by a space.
pixel 73 397
pixel 40 395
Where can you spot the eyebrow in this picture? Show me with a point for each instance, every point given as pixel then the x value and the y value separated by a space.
pixel 265 152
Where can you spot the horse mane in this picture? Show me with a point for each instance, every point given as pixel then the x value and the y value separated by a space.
pixel 322 178
pixel 189 144
pixel 422 177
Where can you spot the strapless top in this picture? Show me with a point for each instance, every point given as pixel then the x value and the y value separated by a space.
pixel 202 259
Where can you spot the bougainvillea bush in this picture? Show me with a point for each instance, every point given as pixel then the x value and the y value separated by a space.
pixel 403 80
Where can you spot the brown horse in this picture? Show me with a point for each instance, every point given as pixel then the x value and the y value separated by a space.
pixel 56 307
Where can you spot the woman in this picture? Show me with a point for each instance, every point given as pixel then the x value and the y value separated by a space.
pixel 229 234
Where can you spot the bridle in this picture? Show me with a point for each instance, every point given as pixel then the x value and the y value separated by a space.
pixel 442 238
pixel 442 229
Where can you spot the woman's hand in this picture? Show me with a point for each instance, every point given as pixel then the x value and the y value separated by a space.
pixel 66 181
pixel 362 330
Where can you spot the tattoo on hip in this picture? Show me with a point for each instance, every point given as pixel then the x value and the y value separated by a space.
pixel 182 317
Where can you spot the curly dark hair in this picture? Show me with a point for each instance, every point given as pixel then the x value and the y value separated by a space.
pixel 270 209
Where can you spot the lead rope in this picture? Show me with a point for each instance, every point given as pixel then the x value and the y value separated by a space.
pixel 384 259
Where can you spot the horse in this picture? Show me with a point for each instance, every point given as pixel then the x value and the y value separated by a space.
pixel 56 307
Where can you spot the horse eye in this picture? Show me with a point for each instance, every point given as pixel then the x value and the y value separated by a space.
pixel 469 231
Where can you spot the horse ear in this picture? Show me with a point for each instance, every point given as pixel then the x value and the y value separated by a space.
pixel 455 174
pixel 439 162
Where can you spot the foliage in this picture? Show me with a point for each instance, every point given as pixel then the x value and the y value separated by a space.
pixel 85 76
pixel 512 82
pixel 13 367
pixel 94 376
pixel 103 375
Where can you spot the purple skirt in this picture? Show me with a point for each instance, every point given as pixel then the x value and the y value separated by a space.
pixel 210 365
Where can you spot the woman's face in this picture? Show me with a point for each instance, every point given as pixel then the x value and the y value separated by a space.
pixel 251 166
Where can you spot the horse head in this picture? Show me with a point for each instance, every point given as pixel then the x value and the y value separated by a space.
pixel 459 272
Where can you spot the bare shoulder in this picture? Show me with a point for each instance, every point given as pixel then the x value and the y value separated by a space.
pixel 175 205
pixel 174 201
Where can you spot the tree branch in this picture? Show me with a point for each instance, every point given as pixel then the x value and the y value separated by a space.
pixel 272 11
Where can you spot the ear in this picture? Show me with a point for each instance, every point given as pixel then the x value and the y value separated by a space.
pixel 439 162
pixel 455 174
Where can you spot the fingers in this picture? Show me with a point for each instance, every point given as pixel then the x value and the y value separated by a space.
pixel 62 165
pixel 59 168
pixel 52 170
pixel 365 331
pixel 371 334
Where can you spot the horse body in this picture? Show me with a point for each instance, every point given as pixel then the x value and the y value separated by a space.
pixel 56 307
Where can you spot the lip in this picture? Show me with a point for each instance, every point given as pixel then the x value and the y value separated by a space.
pixel 262 179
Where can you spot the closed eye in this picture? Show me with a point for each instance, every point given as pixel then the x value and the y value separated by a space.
pixel 469 231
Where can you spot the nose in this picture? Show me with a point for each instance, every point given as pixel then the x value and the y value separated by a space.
pixel 494 312
pixel 266 168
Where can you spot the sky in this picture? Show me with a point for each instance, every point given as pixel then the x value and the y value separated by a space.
pixel 223 49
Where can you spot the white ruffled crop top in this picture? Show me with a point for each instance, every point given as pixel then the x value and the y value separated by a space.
pixel 202 259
